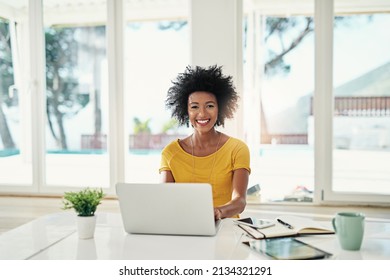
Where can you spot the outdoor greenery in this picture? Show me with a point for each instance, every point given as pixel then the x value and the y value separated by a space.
pixel 141 126
pixel 144 126
pixel 61 80
pixel 170 125
pixel 286 34
pixel 65 96
pixel 6 80
pixel 84 202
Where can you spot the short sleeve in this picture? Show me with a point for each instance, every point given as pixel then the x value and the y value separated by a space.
pixel 241 157
pixel 164 166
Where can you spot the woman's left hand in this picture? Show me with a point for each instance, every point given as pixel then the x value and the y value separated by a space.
pixel 217 214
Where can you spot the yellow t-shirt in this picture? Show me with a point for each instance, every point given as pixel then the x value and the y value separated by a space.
pixel 216 169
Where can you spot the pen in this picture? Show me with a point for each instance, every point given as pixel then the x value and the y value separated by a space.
pixel 285 224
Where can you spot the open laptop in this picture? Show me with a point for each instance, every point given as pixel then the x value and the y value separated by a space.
pixel 167 208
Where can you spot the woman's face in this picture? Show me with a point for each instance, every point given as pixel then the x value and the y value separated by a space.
pixel 202 110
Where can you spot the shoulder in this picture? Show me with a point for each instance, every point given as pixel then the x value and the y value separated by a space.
pixel 240 154
pixel 172 146
pixel 237 148
pixel 237 143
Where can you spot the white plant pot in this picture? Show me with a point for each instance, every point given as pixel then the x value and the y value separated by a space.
pixel 86 226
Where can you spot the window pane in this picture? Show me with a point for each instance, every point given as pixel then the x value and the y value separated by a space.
pixel 15 126
pixel 156 51
pixel 361 136
pixel 279 54
pixel 76 94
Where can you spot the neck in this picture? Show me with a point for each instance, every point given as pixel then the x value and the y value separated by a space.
pixel 204 140
pixel 203 150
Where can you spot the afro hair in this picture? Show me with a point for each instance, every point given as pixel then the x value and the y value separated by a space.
pixel 210 80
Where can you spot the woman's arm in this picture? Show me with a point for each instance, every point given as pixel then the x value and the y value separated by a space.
pixel 238 202
pixel 166 177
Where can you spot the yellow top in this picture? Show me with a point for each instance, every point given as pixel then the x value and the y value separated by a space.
pixel 216 169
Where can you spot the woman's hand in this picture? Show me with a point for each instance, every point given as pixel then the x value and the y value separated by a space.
pixel 217 214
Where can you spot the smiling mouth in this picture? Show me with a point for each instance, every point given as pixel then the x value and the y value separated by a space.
pixel 203 122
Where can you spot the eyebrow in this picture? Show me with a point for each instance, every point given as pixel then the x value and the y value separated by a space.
pixel 194 102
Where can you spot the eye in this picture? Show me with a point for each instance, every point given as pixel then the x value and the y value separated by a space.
pixel 194 107
pixel 210 106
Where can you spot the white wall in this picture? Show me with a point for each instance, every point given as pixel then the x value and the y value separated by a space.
pixel 216 39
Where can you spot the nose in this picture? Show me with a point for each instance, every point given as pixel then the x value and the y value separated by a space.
pixel 202 111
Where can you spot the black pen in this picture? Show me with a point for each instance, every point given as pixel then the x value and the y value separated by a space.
pixel 285 224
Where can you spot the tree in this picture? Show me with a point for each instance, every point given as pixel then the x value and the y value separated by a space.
pixel 62 80
pixel 289 33
pixel 6 80
pixel 280 28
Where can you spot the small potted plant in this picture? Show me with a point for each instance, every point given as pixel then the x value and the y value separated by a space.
pixel 84 202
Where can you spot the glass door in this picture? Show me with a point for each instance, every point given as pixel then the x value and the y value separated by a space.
pixel 76 94
pixel 15 111
pixel 361 97
pixel 157 49
pixel 279 86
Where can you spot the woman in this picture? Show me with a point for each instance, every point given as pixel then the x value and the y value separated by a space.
pixel 204 97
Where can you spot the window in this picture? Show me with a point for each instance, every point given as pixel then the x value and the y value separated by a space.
pixel 156 51
pixel 361 122
pixel 279 77
pixel 359 165
pixel 15 135
pixel 76 95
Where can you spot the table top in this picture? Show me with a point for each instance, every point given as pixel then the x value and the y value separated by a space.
pixel 54 237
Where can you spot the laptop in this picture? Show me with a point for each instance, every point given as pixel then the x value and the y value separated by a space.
pixel 167 208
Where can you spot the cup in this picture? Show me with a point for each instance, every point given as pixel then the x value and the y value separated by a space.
pixel 349 227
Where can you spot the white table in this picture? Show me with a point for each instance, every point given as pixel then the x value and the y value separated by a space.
pixel 54 237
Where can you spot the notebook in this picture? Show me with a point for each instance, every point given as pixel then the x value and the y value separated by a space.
pixel 289 225
pixel 167 208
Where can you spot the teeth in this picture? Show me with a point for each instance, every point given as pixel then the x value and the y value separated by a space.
pixel 202 121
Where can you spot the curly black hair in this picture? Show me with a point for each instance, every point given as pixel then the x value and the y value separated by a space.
pixel 209 80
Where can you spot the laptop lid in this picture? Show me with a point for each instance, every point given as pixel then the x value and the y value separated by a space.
pixel 167 208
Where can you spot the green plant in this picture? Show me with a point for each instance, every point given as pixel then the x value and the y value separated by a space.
pixel 141 126
pixel 170 125
pixel 84 202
